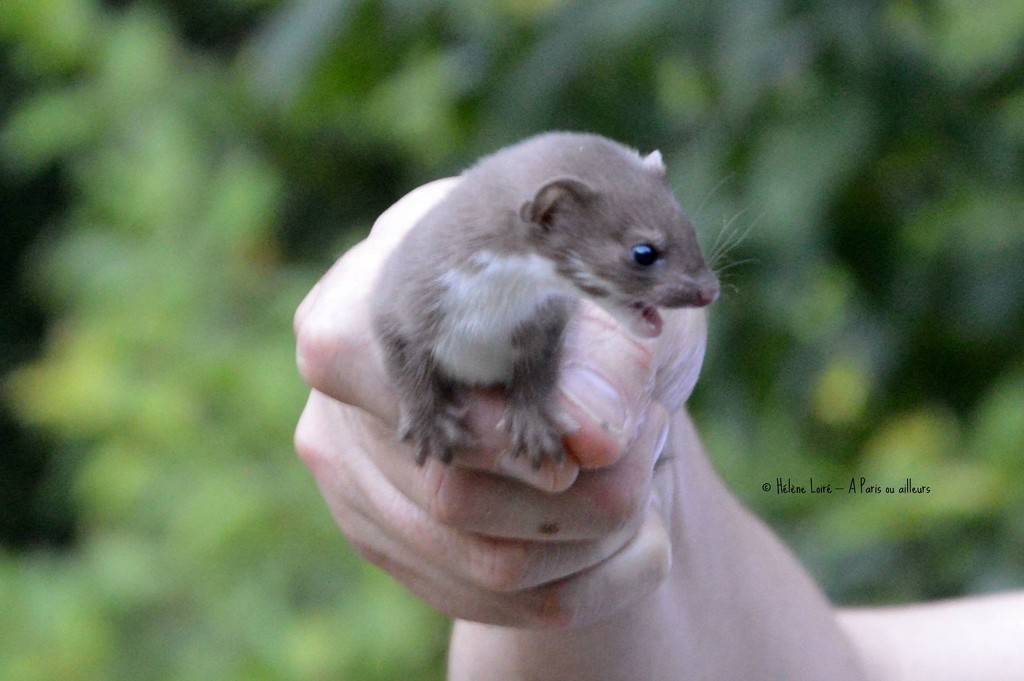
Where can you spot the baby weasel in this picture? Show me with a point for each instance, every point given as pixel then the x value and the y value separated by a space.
pixel 480 290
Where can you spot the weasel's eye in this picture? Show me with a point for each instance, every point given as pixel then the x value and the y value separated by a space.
pixel 644 255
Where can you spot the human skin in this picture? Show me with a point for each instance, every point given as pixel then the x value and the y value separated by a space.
pixel 630 561
pixel 963 639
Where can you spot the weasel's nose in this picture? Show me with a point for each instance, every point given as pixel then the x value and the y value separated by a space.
pixel 707 294
pixel 689 293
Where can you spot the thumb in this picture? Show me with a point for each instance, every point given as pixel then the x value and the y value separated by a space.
pixel 606 382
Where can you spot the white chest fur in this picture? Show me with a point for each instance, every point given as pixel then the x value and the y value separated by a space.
pixel 483 303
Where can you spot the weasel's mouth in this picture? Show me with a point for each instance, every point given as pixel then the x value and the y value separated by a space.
pixel 639 318
pixel 645 322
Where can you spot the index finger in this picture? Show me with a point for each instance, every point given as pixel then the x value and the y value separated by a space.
pixel 336 352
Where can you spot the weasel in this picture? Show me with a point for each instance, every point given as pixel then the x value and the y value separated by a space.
pixel 480 289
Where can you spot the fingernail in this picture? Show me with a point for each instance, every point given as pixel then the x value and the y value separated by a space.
pixel 549 477
pixel 592 393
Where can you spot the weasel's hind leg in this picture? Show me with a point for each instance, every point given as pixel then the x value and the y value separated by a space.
pixel 435 427
pixel 534 421
pixel 432 416
pixel 536 433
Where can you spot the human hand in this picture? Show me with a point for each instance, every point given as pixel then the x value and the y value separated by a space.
pixel 488 538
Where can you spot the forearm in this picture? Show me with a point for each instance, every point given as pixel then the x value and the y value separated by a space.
pixel 955 640
pixel 736 605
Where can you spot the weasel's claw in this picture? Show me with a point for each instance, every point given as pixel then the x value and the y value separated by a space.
pixel 436 435
pixel 536 435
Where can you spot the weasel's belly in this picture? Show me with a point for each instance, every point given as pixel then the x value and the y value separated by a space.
pixel 483 305
pixel 479 358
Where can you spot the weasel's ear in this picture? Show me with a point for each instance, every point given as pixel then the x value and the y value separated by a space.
pixel 553 193
pixel 653 164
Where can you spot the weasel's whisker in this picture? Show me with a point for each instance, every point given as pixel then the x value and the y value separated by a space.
pixel 719 271
pixel 728 241
pixel 723 238
pixel 712 192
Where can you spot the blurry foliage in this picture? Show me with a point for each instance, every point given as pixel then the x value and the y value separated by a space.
pixel 861 163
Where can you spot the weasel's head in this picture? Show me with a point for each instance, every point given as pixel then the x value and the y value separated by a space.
pixel 625 245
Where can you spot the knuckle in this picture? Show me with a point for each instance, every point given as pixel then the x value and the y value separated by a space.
pixel 329 358
pixel 308 446
pixel 446 496
pixel 335 354
pixel 370 553
pixel 499 565
pixel 554 609
pixel 316 351
pixel 620 504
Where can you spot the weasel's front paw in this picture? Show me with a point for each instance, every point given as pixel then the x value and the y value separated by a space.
pixel 438 434
pixel 536 434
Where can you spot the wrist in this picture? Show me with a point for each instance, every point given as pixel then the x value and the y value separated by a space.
pixel 626 645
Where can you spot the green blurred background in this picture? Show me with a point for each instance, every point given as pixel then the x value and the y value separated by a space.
pixel 177 173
